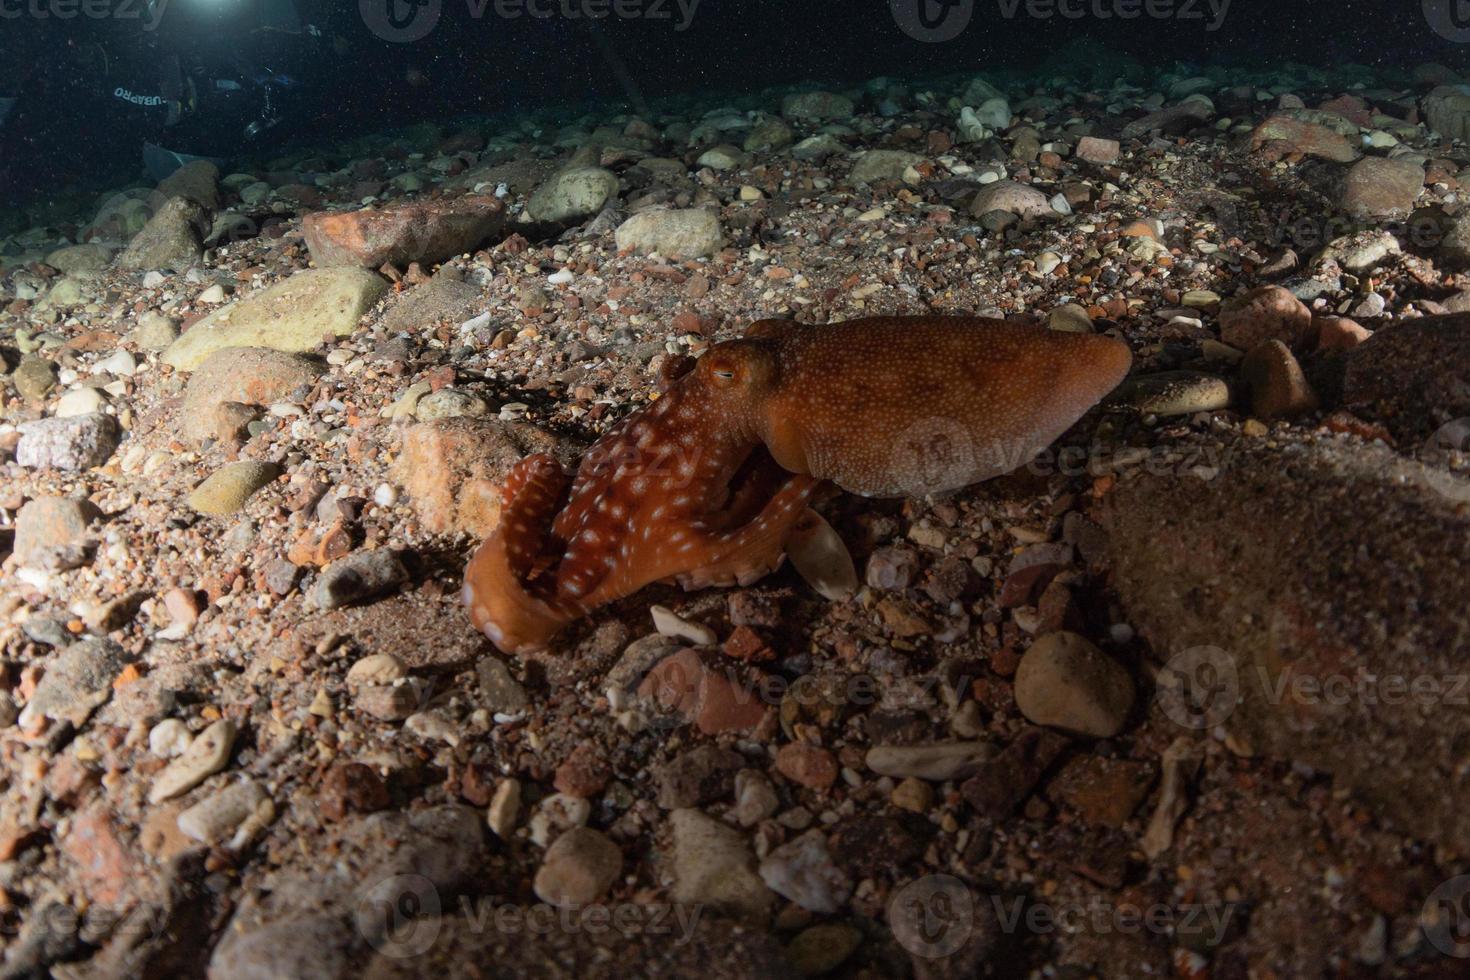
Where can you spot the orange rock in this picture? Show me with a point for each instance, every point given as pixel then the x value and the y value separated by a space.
pixel 809 765
pixel 705 692
pixel 424 231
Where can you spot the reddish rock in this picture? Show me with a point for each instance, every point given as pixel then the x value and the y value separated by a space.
pixel 1006 780
pixel 1267 313
pixel 1278 388
pixel 1103 791
pixel 1094 149
pixel 424 231
pixel 1338 333
pixel 704 691
pixel 107 868
pixel 242 375
pixel 810 765
pixel 584 773
pixel 1022 588
pixel 351 788
pixel 1377 187
pixel 746 644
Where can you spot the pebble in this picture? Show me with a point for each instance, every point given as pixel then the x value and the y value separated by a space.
pixel 755 797
pixel 875 165
pixel 206 755
pixel 227 489
pixel 505 808
pixel 892 568
pixel 938 763
pixel 359 576
pixel 1069 317
pixel 153 331
pixel 1066 682
pixel 376 668
pixel 80 401
pixel 913 794
pixel 822 558
pixel 698 776
pixel 1016 198
pixel 1179 393
pixel 449 403
pixel 500 692
pixel 169 738
pixel 810 765
pixel 292 316
pixel 75 684
pixel 822 948
pixel 579 867
pixel 72 444
pixel 1267 313
pixel 670 624
pixel 33 378
pixel 216 817
pixel 52 533
pixel 1278 388
pixel 119 364
pixel 1095 149
pixel 803 871
pixel 714 868
pixel 557 813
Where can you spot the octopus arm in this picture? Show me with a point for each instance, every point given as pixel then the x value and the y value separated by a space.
pixel 503 601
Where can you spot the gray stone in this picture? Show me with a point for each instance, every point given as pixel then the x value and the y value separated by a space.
pixel 171 240
pixel 51 533
pixel 359 576
pixel 75 684
pixel 79 442
pixel 676 234
pixel 573 195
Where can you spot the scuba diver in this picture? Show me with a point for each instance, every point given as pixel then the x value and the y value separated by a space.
pixel 192 78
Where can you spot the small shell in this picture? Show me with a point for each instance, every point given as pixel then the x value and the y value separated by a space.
pixel 821 557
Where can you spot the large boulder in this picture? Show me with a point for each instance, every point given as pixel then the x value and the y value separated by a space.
pixel 424 231
pixel 293 315
pixel 171 240
pixel 1413 376
pixel 675 234
pixel 573 194
pixel 1309 598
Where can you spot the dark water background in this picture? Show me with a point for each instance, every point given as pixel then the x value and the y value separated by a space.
pixel 68 126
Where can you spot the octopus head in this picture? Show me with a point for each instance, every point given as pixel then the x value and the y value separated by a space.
pixel 736 376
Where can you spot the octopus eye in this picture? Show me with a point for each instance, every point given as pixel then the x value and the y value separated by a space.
pixel 725 374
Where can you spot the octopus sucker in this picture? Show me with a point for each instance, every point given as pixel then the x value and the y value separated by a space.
pixel 704 485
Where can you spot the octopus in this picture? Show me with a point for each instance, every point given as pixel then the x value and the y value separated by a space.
pixel 705 485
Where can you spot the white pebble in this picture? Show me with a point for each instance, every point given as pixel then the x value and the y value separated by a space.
pixel 169 738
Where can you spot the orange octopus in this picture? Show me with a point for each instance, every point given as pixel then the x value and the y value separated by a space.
pixel 705 485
